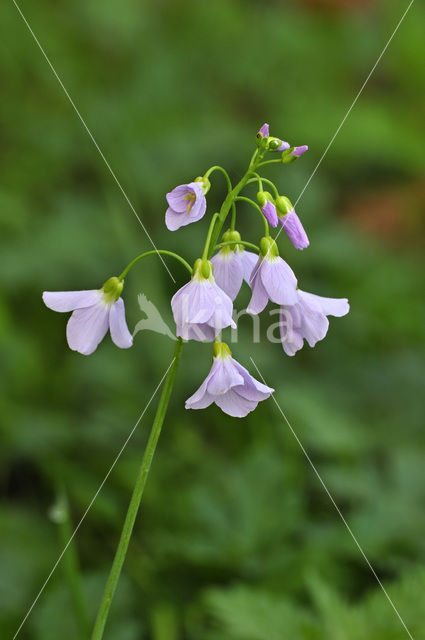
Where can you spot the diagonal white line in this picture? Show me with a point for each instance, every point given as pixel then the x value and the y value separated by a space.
pixel 322 482
pixel 91 502
pixel 350 108
pixel 83 122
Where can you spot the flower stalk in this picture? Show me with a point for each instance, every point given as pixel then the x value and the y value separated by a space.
pixel 136 497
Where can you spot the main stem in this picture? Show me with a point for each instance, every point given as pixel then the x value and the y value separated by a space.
pixel 230 199
pixel 136 498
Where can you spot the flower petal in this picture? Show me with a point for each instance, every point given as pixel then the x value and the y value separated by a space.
pixel 228 272
pixel 223 376
pixel 249 260
pixel 270 213
pixel 293 228
pixel 177 198
pixel 69 300
pixel 87 327
pixel 278 280
pixel 201 398
pixel 120 334
pixel 235 405
pixel 251 389
pixel 259 298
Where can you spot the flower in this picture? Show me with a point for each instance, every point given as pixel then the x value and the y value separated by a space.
pixel 272 279
pixel 307 320
pixel 293 153
pixel 291 224
pixel 229 385
pixel 94 312
pixel 267 206
pixel 298 151
pixel 187 204
pixel 233 265
pixel 200 308
pixel 283 146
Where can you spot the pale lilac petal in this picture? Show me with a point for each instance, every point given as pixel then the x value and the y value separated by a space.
pixel 178 215
pixel 259 298
pixel 228 272
pixel 87 327
pixel 200 332
pixel 278 280
pixel 177 198
pixel 284 146
pixel 314 325
pixel 337 307
pixel 234 404
pixel 174 220
pixel 270 213
pixel 201 398
pixel 291 338
pixel 249 260
pixel 293 228
pixel 223 376
pixel 120 334
pixel 251 389
pixel 298 151
pixel 265 130
pixel 69 300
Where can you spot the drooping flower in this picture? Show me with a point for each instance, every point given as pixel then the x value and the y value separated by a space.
pixel 268 207
pixel 200 308
pixel 272 279
pixel 291 223
pixel 307 320
pixel 298 151
pixel 94 312
pixel 187 204
pixel 232 265
pixel 229 385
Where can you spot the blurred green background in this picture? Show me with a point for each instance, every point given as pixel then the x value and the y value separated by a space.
pixel 237 539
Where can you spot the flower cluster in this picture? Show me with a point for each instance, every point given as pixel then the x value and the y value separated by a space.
pixel 203 307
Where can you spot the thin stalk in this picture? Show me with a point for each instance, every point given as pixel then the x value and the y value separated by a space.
pixel 136 497
pixel 262 164
pixel 208 239
pixel 256 206
pixel 152 253
pixel 233 243
pixel 269 182
pixel 223 171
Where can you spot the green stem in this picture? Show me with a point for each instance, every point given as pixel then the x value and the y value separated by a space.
pixel 223 171
pixel 269 182
pixel 208 239
pixel 233 243
pixel 229 201
pixel 70 562
pixel 233 220
pixel 152 253
pixel 256 206
pixel 136 497
pixel 262 164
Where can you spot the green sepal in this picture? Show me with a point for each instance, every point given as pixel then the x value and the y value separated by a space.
pixel 221 350
pixel 202 269
pixel 206 184
pixel 112 289
pixel 268 247
pixel 287 158
pixel 283 205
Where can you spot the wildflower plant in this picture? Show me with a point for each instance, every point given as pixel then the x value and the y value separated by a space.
pixel 203 307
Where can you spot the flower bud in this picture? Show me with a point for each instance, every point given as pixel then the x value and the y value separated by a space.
pixel 112 289
pixel 274 144
pixel 287 156
pixel 283 205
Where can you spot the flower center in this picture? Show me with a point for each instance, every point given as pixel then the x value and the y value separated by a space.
pixel 191 197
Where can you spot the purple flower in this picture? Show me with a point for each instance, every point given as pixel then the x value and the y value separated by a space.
pixel 293 228
pixel 229 385
pixel 187 204
pixel 264 131
pixel 272 279
pixel 267 206
pixel 307 320
pixel 200 308
pixel 232 267
pixel 94 312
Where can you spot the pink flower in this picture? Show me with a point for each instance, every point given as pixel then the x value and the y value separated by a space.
pixel 232 267
pixel 272 279
pixel 187 204
pixel 229 385
pixel 264 131
pixel 200 308
pixel 307 320
pixel 94 312
pixel 267 206
pixel 291 224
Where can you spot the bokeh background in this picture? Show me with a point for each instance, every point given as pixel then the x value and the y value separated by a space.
pixel 237 539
